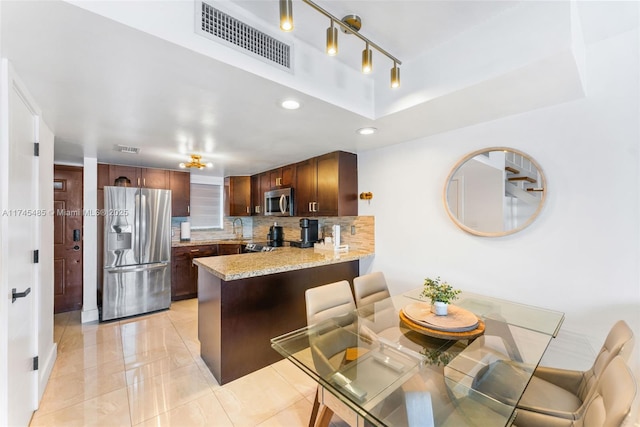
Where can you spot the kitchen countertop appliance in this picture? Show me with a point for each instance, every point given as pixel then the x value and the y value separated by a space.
pixel 137 251
pixel 276 235
pixel 308 233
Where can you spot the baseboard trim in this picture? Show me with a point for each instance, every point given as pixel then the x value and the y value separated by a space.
pixel 45 370
pixel 90 315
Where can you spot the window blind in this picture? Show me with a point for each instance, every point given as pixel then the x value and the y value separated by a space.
pixel 206 205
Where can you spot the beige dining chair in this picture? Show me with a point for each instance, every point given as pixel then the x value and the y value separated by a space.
pixel 332 302
pixel 563 393
pixel 608 405
pixel 327 301
pixel 370 288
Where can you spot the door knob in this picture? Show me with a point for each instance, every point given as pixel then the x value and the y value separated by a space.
pixel 15 295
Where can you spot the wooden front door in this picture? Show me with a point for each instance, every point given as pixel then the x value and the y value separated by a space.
pixel 67 183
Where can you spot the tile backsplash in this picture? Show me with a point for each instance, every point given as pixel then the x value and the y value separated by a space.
pixel 215 233
pixel 355 231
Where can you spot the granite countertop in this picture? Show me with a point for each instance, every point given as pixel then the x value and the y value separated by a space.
pixel 180 243
pixel 242 266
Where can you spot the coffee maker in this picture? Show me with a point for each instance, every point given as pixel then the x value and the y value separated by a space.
pixel 276 235
pixel 308 233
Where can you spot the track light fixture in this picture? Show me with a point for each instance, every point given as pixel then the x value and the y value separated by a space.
pixel 286 15
pixel 332 40
pixel 350 25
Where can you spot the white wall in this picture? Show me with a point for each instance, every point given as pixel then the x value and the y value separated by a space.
pixel 581 255
pixel 90 230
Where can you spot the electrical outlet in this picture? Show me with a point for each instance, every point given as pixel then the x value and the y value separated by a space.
pixel 353 229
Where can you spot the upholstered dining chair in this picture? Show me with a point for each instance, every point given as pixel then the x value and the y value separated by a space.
pixel 608 405
pixel 327 301
pixel 563 393
pixel 332 302
pixel 370 288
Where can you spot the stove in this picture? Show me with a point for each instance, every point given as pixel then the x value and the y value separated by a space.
pixel 258 247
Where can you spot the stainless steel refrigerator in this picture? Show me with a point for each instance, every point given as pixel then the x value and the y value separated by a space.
pixel 137 251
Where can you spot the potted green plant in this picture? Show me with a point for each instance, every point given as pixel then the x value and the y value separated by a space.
pixel 440 293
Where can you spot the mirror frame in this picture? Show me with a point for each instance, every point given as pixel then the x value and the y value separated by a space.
pixel 496 233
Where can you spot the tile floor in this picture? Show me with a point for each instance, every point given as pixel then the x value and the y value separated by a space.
pixel 147 371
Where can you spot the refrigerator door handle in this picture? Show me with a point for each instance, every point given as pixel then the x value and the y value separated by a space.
pixel 134 268
pixel 143 225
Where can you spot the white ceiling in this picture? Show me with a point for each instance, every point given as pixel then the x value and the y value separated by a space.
pixel 100 82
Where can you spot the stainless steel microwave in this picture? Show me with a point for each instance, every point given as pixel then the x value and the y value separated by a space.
pixel 279 202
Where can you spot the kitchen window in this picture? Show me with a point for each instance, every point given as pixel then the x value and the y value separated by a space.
pixel 206 202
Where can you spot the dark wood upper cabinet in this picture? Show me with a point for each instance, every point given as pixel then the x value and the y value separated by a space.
pixel 155 178
pixel 103 176
pixel 237 196
pixel 140 177
pixel 180 184
pixel 130 172
pixel 282 177
pixel 327 185
pixel 306 187
pixel 259 185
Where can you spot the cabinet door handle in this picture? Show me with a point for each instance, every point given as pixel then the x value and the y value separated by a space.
pixel 195 250
pixel 144 182
pixel 138 182
pixel 188 209
pixel 248 209
pixel 310 207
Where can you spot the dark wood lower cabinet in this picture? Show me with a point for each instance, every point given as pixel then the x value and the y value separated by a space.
pixel 184 275
pixel 237 319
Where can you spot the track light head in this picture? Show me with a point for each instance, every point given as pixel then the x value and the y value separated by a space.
pixel 286 15
pixel 367 60
pixel 395 76
pixel 332 40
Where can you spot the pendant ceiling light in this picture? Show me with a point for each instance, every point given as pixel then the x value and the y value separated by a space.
pixel 196 162
pixel 350 24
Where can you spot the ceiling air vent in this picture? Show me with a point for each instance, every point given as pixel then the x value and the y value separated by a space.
pixel 217 25
pixel 125 149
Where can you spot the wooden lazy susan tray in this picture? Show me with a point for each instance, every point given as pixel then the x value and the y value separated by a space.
pixel 458 324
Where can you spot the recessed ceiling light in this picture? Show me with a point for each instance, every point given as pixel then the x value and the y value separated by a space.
pixel 290 104
pixel 366 131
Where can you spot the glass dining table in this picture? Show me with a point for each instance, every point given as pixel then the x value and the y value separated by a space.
pixel 374 369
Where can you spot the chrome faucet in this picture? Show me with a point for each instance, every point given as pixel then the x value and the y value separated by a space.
pixel 241 228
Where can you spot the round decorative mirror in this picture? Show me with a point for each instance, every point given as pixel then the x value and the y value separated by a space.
pixel 495 192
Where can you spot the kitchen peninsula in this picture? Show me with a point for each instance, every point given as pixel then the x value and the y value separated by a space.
pixel 245 300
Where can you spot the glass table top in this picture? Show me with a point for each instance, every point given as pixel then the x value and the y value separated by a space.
pixel 391 375
pixel 526 316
